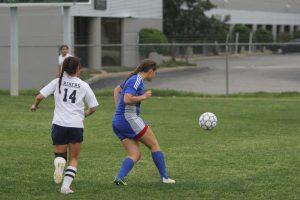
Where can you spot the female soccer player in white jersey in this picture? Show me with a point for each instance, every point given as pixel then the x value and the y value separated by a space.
pixel 70 93
pixel 63 54
pixel 129 126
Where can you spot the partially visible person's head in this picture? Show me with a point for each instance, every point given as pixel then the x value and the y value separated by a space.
pixel 64 49
pixel 71 66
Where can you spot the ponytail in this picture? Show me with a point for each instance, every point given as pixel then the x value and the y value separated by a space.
pixel 145 66
pixel 70 66
pixel 60 79
pixel 135 72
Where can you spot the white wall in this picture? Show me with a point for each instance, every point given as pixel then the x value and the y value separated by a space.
pixel 123 8
pixel 40 34
pixel 260 5
pixel 270 12
pixel 257 17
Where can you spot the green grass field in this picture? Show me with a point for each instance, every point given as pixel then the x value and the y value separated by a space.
pixel 254 153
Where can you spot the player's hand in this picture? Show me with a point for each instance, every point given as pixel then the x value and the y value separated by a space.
pixel 148 94
pixel 33 108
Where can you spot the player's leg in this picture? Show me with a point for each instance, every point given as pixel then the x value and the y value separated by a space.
pixel 134 155
pixel 74 150
pixel 149 139
pixel 74 154
pixel 74 138
pixel 60 151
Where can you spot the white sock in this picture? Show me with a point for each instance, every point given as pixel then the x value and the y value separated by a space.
pixel 59 160
pixel 69 176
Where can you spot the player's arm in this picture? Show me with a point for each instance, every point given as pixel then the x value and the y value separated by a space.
pixel 44 93
pixel 117 92
pixel 90 111
pixel 58 71
pixel 91 101
pixel 131 99
pixel 36 103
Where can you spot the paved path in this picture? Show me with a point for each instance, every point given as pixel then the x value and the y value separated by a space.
pixel 271 73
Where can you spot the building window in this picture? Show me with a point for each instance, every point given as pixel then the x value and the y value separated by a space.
pixel 100 4
pixel 111 30
pixel 81 37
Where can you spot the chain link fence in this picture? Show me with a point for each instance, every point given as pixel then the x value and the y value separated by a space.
pixel 220 68
pixel 212 68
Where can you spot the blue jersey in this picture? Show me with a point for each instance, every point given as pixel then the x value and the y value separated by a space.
pixel 126 122
pixel 134 86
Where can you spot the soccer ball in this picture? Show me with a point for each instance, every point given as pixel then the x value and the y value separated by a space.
pixel 208 121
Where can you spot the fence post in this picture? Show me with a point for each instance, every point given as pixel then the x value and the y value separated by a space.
pixel 14 52
pixel 173 53
pixel 227 65
pixel 236 43
pixel 138 50
pixel 67 26
pixel 250 42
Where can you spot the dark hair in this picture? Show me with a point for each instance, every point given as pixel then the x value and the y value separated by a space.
pixel 63 46
pixel 145 66
pixel 70 65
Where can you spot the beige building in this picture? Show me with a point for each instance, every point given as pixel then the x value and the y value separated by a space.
pixel 94 28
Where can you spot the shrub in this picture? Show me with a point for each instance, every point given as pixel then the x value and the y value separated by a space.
pixel 244 33
pixel 263 36
pixel 297 34
pixel 285 37
pixel 152 36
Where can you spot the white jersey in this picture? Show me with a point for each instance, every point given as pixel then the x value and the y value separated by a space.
pixel 61 59
pixel 69 104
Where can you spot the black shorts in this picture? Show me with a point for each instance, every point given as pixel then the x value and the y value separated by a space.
pixel 65 135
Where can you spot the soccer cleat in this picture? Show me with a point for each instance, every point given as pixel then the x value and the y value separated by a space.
pixel 168 181
pixel 58 172
pixel 118 181
pixel 66 191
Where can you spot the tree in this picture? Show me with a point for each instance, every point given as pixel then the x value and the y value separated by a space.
pixel 219 29
pixel 218 32
pixel 185 21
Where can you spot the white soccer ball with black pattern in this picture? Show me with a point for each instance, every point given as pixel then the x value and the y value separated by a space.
pixel 208 121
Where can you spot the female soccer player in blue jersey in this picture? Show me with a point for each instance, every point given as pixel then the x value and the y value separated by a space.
pixel 129 126
pixel 70 94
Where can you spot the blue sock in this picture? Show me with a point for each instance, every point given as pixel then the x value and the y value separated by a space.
pixel 159 160
pixel 127 165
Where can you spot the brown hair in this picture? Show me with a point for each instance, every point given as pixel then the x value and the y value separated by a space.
pixel 63 46
pixel 70 65
pixel 145 66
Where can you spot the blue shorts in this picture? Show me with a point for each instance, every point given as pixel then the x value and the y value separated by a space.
pixel 66 135
pixel 133 128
